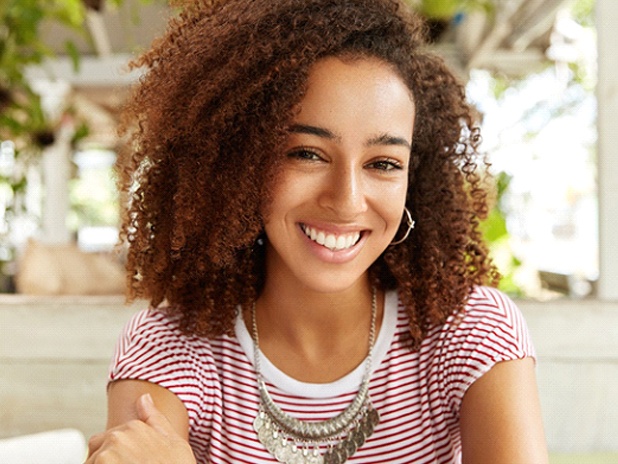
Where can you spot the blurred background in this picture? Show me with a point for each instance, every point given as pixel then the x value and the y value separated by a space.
pixel 542 74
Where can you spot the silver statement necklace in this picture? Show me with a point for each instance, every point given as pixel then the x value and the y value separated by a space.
pixel 294 441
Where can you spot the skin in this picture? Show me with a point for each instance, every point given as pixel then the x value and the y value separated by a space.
pixel 500 417
pixel 146 424
pixel 345 174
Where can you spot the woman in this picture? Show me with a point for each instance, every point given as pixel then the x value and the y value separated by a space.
pixel 304 204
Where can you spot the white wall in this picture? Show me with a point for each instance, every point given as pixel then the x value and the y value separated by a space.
pixel 607 123
pixel 54 355
pixel 577 348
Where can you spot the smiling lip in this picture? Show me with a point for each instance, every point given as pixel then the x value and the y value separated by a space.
pixel 334 242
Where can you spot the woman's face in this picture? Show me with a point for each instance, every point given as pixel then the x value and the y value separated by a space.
pixel 340 197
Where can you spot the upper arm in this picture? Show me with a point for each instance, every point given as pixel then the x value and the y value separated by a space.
pixel 123 394
pixel 500 417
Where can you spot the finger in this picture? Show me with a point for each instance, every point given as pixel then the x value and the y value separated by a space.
pixel 147 412
pixel 95 442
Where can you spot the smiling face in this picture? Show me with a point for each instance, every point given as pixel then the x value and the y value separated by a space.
pixel 340 197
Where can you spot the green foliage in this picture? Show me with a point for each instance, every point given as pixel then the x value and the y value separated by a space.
pixel 20 42
pixel 22 120
pixel 583 12
pixel 21 116
pixel 496 234
pixel 446 9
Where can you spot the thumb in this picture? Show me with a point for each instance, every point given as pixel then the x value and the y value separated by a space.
pixel 147 412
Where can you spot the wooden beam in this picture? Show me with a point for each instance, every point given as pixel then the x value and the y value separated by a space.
pixel 502 27
pixel 99 34
pixel 536 22
pixel 105 71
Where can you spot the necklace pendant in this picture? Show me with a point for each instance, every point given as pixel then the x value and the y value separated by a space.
pixel 349 445
pixel 312 456
pixel 285 452
pixel 259 421
pixel 279 445
pixel 334 456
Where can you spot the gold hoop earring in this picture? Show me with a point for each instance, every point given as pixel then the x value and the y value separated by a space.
pixel 410 223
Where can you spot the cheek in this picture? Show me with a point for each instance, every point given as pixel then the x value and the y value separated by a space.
pixel 277 202
pixel 394 219
pixel 273 194
pixel 393 209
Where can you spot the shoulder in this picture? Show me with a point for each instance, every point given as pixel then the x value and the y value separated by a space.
pixel 490 314
pixel 153 346
pixel 489 330
pixel 489 310
pixel 151 328
pixel 489 300
pixel 490 323
pixel 152 323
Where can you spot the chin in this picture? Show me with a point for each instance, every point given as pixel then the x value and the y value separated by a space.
pixel 331 282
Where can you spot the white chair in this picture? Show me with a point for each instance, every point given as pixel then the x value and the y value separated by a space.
pixel 65 446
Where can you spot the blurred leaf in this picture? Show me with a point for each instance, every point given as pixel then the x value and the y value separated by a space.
pixel 73 53
pixel 494 227
pixel 82 131
pixel 447 9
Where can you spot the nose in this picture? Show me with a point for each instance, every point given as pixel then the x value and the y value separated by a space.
pixel 344 192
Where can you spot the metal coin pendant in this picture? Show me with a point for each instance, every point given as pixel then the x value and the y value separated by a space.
pixel 349 445
pixel 278 445
pixel 283 448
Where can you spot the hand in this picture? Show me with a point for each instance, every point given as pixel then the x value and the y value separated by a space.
pixel 150 439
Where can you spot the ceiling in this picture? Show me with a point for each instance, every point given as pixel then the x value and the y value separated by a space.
pixel 112 29
pixel 513 40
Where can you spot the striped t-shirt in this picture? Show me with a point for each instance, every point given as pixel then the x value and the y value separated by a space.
pixel 418 394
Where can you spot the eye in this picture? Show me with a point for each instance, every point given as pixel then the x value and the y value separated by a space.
pixel 387 164
pixel 304 154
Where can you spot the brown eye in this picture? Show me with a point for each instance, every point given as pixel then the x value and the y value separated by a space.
pixel 304 154
pixel 385 165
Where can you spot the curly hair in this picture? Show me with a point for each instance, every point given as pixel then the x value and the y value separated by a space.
pixel 206 126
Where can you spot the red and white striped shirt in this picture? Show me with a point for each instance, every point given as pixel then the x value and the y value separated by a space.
pixel 417 393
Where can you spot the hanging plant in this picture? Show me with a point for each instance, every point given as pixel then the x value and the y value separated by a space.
pixel 447 9
pixel 439 14
pixel 24 128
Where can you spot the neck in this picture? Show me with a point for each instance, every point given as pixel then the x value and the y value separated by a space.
pixel 298 310
pixel 313 336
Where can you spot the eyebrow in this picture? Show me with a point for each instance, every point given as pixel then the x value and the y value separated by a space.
pixel 382 139
pixel 387 139
pixel 313 130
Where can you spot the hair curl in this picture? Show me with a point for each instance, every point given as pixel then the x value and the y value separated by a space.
pixel 206 125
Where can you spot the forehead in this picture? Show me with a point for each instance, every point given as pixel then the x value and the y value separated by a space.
pixel 361 93
pixel 355 71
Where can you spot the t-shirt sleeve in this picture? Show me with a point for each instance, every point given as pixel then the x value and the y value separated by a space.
pixel 491 330
pixel 143 349
pixel 154 349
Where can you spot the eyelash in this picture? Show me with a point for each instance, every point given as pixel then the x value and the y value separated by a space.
pixel 304 154
pixel 386 165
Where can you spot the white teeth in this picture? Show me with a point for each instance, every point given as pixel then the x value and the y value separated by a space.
pixel 331 241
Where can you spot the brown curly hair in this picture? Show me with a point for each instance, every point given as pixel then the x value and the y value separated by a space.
pixel 206 125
